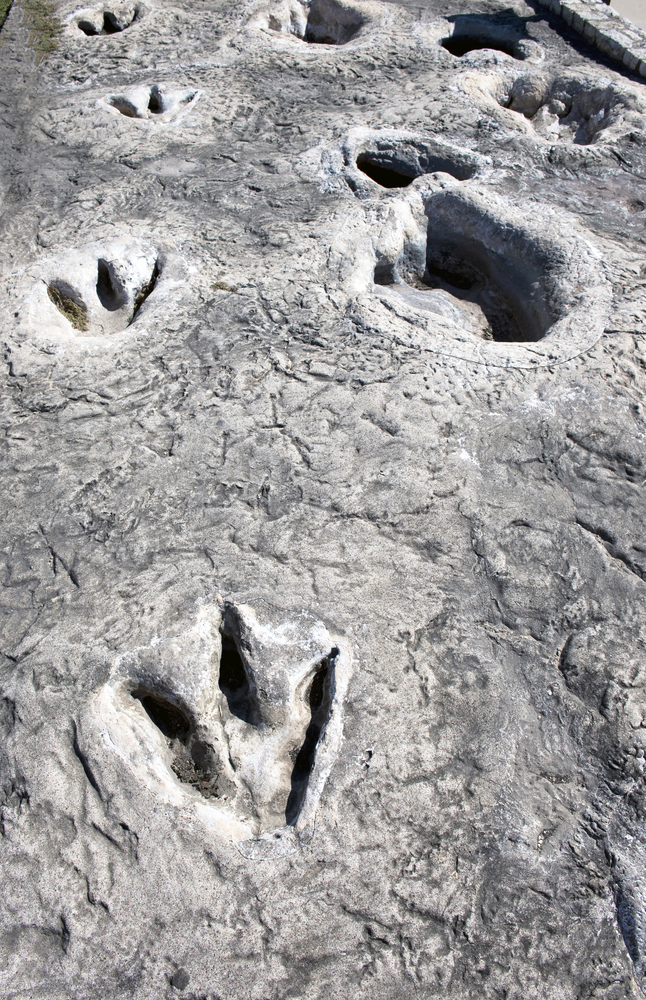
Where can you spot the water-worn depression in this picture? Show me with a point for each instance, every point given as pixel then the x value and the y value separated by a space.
pixel 322 608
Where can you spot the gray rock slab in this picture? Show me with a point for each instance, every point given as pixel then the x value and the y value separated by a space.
pixel 323 617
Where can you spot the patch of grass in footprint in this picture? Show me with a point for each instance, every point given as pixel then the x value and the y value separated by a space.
pixel 5 7
pixel 70 309
pixel 44 27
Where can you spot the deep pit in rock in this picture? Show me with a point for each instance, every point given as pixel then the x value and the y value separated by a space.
pixel 320 704
pixel 393 164
pixel 194 761
pixel 568 110
pixel 144 291
pixel 124 106
pixel 472 32
pixel 109 291
pixel 501 275
pixel 169 718
pixel 461 45
pixel 331 23
pixel 452 270
pixel 155 102
pixel 235 683
pixel 387 177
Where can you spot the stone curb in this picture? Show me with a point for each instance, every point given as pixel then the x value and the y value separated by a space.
pixel 609 31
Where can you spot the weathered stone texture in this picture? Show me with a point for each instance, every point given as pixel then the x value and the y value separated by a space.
pixel 324 607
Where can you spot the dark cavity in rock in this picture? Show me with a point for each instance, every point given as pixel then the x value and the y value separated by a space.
pixel 168 718
pixel 112 24
pixel 386 273
pixel 155 102
pixel 235 683
pixel 460 45
pixel 88 29
pixel 458 270
pixel 108 289
pixel 194 761
pixel 320 704
pixel 472 32
pixel 385 176
pixel 502 269
pixel 142 293
pixel 397 164
pixel 180 979
pixel 472 256
pixel 124 106
pixel 329 23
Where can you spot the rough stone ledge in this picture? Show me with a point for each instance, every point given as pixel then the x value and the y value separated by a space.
pixel 609 31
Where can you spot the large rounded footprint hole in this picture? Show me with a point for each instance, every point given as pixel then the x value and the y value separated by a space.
pixel 497 277
pixel 387 177
pixel 395 163
pixel 331 23
pixel 460 45
pixel 472 32
pixel 502 273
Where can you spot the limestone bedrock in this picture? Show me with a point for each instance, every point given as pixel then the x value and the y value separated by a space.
pixel 323 625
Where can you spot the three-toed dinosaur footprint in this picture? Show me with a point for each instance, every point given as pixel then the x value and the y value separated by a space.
pixel 240 718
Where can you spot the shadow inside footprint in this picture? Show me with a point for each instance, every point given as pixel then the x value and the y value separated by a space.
pixel 331 23
pixel 168 718
pixel 194 760
pixel 386 176
pixel 108 289
pixel 234 683
pixel 460 45
pixel 155 102
pixel 503 32
pixel 320 703
pixel 111 24
pixel 144 291
pixel 395 162
pixel 124 107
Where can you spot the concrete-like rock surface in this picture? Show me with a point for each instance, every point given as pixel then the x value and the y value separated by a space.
pixel 323 527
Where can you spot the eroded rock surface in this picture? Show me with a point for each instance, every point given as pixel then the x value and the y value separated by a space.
pixel 323 619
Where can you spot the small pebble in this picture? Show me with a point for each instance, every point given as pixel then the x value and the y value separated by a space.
pixel 180 980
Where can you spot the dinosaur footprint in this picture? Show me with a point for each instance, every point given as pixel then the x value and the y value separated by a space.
pixel 240 719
